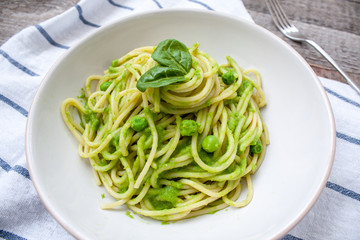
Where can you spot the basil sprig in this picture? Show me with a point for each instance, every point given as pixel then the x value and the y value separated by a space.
pixel 174 61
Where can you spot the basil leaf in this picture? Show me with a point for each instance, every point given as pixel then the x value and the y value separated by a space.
pixel 174 54
pixel 159 76
pixel 175 62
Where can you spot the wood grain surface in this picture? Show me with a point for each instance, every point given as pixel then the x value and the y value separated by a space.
pixel 16 15
pixel 333 24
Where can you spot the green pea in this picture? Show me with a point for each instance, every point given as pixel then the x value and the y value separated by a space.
pixel 139 123
pixel 114 63
pixel 228 78
pixel 105 85
pixel 188 127
pixel 257 148
pixel 210 143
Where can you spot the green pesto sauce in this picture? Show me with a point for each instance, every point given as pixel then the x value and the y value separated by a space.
pixel 183 147
pixel 83 99
pixel 101 162
pixel 177 185
pixel 254 142
pixel 150 113
pixel 210 116
pixel 230 169
pixel 165 223
pixel 251 109
pixel 122 189
pixel 245 84
pixel 230 69
pixel 113 69
pixel 208 102
pixel 185 150
pixel 148 141
pixel 192 167
pixel 232 100
pixel 198 73
pixel 114 142
pixel 82 95
pixel 213 212
pixel 207 157
pixel 163 198
pixel 233 120
pixel 243 164
pixel 90 116
pixel 128 213
pixel 161 133
pixel 95 123
pixel 253 167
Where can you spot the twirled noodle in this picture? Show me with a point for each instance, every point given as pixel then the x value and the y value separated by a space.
pixel 158 172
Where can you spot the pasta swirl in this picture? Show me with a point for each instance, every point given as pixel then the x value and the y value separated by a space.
pixel 174 151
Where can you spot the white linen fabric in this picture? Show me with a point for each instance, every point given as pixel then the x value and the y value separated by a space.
pixel 25 59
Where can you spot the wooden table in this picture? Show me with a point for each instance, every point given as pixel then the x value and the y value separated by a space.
pixel 333 24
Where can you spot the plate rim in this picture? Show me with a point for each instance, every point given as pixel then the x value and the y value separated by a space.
pixel 147 13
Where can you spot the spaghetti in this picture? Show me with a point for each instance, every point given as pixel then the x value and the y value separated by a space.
pixel 171 151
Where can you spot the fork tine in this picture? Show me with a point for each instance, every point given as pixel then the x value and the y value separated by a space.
pixel 278 15
pixel 274 14
pixel 289 30
pixel 282 14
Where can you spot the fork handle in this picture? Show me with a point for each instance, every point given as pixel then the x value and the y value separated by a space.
pixel 332 62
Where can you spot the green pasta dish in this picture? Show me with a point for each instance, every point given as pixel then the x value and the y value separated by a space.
pixel 171 133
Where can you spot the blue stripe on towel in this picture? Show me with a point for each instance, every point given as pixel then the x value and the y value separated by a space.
pixel 157 3
pixel 50 40
pixel 14 105
pixel 290 237
pixel 10 236
pixel 17 168
pixel 348 138
pixel 17 64
pixel 342 97
pixel 119 5
pixel 202 4
pixel 4 165
pixel 343 191
pixel 21 170
pixel 78 8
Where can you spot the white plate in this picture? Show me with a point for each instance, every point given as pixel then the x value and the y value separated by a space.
pixel 298 115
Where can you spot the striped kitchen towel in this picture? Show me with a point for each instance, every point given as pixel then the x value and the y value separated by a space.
pixel 25 59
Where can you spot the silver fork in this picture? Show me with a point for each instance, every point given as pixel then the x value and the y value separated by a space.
pixel 289 30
